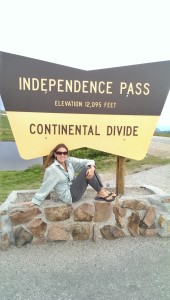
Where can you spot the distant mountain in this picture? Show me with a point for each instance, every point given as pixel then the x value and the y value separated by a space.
pixel 162 129
pixel 157 130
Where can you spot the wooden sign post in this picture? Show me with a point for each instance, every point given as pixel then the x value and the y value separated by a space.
pixel 44 160
pixel 120 175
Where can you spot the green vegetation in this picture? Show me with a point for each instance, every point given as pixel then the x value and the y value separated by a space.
pixel 87 152
pixel 162 133
pixel 20 180
pixel 5 129
pixel 149 161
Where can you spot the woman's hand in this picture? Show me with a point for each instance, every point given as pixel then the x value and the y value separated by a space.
pixel 90 172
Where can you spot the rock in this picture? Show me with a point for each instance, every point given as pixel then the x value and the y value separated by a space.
pixel 58 232
pixel 153 226
pixel 59 213
pixel 110 232
pixel 119 221
pixel 4 242
pixel 80 231
pixel 122 212
pixel 133 224
pixel 119 213
pixel 148 231
pixel 143 225
pixel 23 215
pixel 164 222
pixel 166 199
pixel 22 236
pixel 150 216
pixel 84 212
pixel 135 204
pixel 37 227
pixel 103 211
pixel 161 220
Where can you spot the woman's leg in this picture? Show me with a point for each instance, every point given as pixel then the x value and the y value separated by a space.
pixel 80 184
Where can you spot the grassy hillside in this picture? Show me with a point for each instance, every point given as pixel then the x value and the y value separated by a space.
pixel 5 129
pixel 162 133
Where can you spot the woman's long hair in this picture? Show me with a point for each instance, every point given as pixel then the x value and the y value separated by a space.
pixel 50 158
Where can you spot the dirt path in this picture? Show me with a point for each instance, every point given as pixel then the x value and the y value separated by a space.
pixel 159 149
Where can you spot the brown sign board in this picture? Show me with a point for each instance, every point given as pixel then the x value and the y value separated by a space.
pixel 113 110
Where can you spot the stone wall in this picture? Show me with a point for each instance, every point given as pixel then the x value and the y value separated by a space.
pixel 51 222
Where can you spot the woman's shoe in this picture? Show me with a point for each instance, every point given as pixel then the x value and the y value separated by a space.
pixel 106 198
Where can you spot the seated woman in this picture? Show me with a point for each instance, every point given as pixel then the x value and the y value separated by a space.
pixel 60 177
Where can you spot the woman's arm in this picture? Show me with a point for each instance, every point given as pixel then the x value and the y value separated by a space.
pixel 79 163
pixel 49 182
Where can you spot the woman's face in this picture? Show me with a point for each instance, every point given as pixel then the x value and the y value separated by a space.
pixel 61 155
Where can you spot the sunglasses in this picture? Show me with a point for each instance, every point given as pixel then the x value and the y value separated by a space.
pixel 60 152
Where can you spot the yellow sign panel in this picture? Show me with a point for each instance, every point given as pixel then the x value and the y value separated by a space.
pixel 42 132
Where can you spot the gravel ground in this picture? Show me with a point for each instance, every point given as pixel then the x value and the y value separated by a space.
pixel 159 177
pixel 124 269
pixel 156 176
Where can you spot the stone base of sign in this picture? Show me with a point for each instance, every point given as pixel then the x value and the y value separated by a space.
pixel 131 215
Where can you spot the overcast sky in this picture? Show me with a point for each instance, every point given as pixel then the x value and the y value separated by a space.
pixel 88 34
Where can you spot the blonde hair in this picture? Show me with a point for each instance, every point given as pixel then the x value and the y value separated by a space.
pixel 50 158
